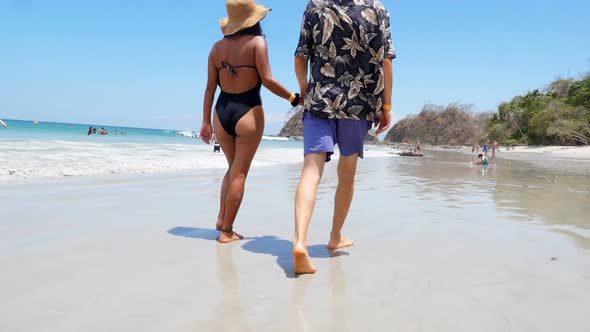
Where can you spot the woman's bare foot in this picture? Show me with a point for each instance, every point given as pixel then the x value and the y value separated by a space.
pixel 227 237
pixel 302 262
pixel 339 243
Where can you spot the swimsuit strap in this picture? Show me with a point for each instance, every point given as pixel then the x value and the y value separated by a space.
pixel 232 68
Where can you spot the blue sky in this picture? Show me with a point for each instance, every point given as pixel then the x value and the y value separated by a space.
pixel 143 63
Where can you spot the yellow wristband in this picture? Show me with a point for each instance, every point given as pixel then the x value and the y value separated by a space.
pixel 292 97
pixel 386 107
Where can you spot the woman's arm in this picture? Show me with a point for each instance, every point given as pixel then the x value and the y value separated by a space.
pixel 263 67
pixel 206 129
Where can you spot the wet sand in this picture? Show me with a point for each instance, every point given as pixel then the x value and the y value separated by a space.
pixel 439 246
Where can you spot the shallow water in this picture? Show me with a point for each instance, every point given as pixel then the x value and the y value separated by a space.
pixel 540 190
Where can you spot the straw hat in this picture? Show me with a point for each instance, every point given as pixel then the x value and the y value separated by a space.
pixel 242 14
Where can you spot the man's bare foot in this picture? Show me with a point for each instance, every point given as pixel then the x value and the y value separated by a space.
pixel 302 262
pixel 339 243
pixel 227 237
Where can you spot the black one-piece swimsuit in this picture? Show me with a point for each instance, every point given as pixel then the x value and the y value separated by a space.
pixel 231 107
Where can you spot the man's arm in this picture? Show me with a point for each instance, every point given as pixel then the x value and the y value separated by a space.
pixel 385 121
pixel 301 73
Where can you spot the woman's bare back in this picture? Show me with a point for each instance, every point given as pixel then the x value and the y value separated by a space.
pixel 236 51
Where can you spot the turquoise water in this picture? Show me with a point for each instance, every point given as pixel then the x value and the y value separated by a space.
pixel 28 130
pixel 31 150
pixel 19 130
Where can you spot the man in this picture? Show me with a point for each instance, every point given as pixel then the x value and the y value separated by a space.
pixel 347 44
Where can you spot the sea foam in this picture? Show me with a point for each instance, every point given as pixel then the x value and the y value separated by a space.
pixel 59 158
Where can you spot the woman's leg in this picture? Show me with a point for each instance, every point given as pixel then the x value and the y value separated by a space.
pixel 249 130
pixel 228 145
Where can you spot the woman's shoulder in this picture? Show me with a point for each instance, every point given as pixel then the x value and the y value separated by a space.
pixel 217 44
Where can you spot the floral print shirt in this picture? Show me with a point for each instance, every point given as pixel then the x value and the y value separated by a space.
pixel 346 42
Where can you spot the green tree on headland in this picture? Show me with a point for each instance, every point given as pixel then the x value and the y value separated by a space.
pixel 560 115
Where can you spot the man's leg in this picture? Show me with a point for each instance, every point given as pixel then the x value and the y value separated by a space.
pixel 318 145
pixel 342 200
pixel 313 167
pixel 351 142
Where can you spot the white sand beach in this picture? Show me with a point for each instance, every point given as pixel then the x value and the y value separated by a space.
pixel 558 151
pixel 439 247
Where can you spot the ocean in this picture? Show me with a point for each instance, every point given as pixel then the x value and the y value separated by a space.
pixel 30 150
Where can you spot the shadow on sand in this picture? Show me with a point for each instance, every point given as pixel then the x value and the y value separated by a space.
pixel 266 245
pixel 195 233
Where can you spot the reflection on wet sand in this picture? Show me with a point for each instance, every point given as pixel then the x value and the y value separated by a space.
pixel 339 297
pixel 522 191
pixel 228 314
pixel 339 305
pixel 299 294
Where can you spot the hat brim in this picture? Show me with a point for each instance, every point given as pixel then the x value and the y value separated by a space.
pixel 230 27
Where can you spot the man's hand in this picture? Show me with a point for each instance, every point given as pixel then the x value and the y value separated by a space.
pixel 301 98
pixel 206 132
pixel 385 121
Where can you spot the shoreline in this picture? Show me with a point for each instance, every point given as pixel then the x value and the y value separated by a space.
pixel 582 152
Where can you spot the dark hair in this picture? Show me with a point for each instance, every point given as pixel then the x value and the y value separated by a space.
pixel 255 30
pixel 480 155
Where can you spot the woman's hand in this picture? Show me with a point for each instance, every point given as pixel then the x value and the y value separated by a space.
pixel 206 132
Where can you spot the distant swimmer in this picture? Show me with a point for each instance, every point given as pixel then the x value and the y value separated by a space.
pixel 475 149
pixel 486 148
pixel 482 160
pixel 418 148
pixel 103 131
pixel 3 123
pixel 216 146
pixel 90 130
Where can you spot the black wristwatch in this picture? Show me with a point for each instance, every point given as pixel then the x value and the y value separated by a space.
pixel 295 101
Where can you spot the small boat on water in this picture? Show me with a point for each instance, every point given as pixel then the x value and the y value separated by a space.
pixel 410 154
pixel 3 124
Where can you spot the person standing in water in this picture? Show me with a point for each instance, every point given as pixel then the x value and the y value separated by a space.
pixel 349 49
pixel 418 148
pixel 216 146
pixel 239 65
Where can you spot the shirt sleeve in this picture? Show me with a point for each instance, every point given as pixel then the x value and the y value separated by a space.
pixel 305 38
pixel 389 50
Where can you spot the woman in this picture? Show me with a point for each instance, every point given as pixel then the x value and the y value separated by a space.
pixel 239 65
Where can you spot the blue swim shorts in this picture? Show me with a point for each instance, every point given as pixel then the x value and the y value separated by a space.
pixel 321 135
